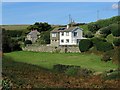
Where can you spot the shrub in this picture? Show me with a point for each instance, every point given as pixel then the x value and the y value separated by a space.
pixel 107 56
pixel 27 42
pixel 96 40
pixel 116 41
pixel 115 30
pixel 104 46
pixel 105 31
pixel 62 68
pixel 72 71
pixel 93 27
pixel 85 45
pixel 101 44
pixel 89 34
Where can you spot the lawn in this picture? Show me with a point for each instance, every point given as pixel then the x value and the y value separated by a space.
pixel 47 60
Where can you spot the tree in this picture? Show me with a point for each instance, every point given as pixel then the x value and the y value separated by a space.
pixel 40 27
pixel 9 44
pixel 44 38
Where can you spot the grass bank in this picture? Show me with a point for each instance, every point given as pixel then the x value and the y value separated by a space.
pixel 47 60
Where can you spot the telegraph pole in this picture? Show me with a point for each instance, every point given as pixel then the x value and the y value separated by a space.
pixel 98 14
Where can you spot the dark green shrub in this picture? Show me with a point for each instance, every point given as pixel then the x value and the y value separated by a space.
pixel 115 30
pixel 96 40
pixel 62 68
pixel 106 57
pixel 27 42
pixel 85 45
pixel 89 34
pixel 111 75
pixel 105 31
pixel 104 46
pixel 101 44
pixel 116 41
pixel 93 27
pixel 72 71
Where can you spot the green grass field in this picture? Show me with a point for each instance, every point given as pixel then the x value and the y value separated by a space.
pixel 47 60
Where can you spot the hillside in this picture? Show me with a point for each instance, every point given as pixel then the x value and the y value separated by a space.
pixel 15 27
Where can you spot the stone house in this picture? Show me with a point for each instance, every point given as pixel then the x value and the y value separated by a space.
pixel 33 36
pixel 66 36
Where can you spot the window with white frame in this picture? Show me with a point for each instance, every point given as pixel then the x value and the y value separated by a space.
pixel 53 34
pixel 62 41
pixel 67 40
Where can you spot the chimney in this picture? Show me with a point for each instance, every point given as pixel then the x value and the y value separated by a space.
pixel 68 26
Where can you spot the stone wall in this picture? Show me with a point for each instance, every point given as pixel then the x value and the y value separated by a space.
pixel 45 48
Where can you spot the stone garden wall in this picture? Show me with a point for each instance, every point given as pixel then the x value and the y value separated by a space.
pixel 47 48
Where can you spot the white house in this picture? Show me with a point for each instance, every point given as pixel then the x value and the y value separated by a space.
pixel 66 36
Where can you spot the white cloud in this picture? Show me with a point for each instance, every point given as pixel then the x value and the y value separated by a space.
pixel 115 6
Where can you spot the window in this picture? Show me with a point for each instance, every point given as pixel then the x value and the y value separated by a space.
pixel 53 34
pixel 75 33
pixel 62 33
pixel 62 41
pixel 67 40
pixel 67 33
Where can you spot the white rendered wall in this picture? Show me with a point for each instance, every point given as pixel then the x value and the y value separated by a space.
pixel 72 39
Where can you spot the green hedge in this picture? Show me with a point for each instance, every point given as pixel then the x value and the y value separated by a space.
pixel 85 45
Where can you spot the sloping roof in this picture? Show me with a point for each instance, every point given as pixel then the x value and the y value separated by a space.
pixel 34 32
pixel 64 30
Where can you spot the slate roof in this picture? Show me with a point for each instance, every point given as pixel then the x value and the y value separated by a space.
pixel 65 29
pixel 34 33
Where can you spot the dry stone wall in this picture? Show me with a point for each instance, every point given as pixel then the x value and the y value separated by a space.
pixel 51 49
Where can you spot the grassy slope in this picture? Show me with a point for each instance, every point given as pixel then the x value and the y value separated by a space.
pixel 84 27
pixel 47 60
pixel 15 27
pixel 22 75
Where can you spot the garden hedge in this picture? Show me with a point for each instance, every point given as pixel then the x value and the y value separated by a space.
pixel 85 45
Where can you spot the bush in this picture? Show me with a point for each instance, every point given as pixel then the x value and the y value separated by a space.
pixel 93 27
pixel 63 68
pixel 85 45
pixel 115 30
pixel 101 44
pixel 104 46
pixel 105 31
pixel 107 56
pixel 27 42
pixel 72 71
pixel 96 40
pixel 89 34
pixel 116 41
